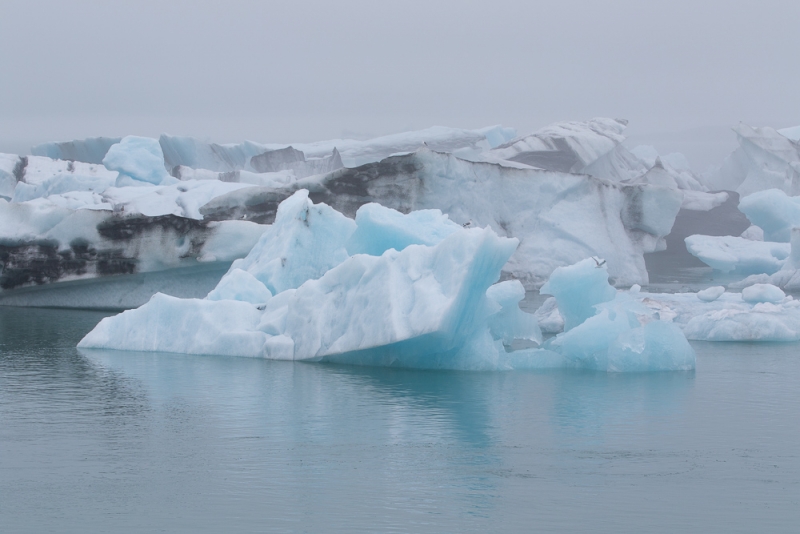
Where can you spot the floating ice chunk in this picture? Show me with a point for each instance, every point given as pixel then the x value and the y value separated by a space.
pixel 240 285
pixel 305 241
pixel 729 317
pixel 763 322
pixel 578 288
pixel 510 322
pixel 189 326
pixel 421 307
pixel 624 337
pixel 138 159
pixel 191 152
pixel 700 201
pixel 763 293
pixel 379 229
pixel 711 294
pixel 9 163
pixel 731 253
pixel 774 212
pixel 656 346
pixel 559 218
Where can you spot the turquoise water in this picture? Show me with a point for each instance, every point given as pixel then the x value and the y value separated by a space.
pixel 130 442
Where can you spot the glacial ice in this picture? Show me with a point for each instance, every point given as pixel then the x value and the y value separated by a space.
pixel 44 243
pixel 747 316
pixel 607 330
pixel 431 305
pixel 578 289
pixel 765 159
pixel 90 150
pixel 775 212
pixel 424 306
pixel 762 313
pixel 737 254
pixel 138 159
pixel 559 218
pixel 763 293
pixel 622 215
pixel 305 241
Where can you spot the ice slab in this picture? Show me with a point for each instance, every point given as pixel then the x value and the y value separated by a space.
pixel 737 254
pixel 730 317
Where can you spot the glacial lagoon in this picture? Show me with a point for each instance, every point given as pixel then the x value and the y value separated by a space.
pixel 146 442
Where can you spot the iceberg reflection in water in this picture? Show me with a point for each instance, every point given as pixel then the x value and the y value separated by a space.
pixel 117 441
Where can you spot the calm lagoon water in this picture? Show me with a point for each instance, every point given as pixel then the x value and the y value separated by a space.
pixel 130 442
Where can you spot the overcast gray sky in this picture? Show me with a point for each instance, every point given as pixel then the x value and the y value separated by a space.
pixel 682 72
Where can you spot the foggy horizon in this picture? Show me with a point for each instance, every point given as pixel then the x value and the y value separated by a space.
pixel 299 72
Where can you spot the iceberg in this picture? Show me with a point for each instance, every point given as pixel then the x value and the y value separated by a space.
pixel 422 306
pixel 765 159
pixel 565 146
pixel 787 278
pixel 434 305
pixel 775 212
pixel 695 195
pixel 137 160
pixel 607 330
pixel 762 313
pixel 737 254
pixel 559 218
pixel 90 150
